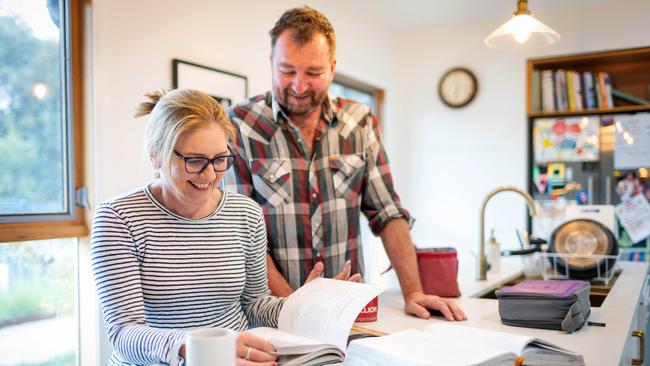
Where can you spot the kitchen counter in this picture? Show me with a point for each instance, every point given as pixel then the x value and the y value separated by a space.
pixel 605 346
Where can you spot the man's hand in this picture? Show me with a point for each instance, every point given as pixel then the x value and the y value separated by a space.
pixel 317 271
pixel 418 304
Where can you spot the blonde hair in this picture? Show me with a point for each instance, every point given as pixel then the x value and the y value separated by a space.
pixel 173 113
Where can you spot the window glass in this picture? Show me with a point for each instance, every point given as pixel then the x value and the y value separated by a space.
pixel 38 312
pixel 33 124
pixel 347 92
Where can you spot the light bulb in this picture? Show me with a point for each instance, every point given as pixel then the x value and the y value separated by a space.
pixel 522 36
pixel 521 26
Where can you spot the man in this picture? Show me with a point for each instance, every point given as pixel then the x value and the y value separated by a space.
pixel 315 162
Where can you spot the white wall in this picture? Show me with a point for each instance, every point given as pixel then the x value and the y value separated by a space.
pixel 447 160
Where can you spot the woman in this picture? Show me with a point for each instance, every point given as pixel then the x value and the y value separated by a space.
pixel 181 253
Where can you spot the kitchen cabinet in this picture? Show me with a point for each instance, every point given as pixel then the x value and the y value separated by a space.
pixel 635 342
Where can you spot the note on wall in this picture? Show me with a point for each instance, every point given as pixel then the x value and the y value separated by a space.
pixel 634 214
pixel 632 149
pixel 566 139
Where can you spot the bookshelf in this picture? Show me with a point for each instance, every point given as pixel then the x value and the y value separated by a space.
pixel 628 71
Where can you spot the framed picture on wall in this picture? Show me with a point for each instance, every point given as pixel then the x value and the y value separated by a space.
pixel 226 87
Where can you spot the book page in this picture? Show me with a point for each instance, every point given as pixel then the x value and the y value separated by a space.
pixel 541 346
pixel 452 344
pixel 506 342
pixel 417 348
pixel 285 342
pixel 300 351
pixel 537 354
pixel 325 309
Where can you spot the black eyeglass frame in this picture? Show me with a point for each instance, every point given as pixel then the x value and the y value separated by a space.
pixel 230 160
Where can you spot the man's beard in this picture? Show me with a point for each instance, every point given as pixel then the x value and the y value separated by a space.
pixel 315 100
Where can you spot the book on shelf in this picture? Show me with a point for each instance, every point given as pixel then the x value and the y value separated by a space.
pixel 628 97
pixel 574 90
pixel 315 321
pixel 608 90
pixel 598 92
pixel 588 90
pixel 605 90
pixel 536 92
pixel 577 90
pixel 455 344
pixel 548 94
pixel 560 90
pixel 570 90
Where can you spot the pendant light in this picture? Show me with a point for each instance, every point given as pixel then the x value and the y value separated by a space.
pixel 522 31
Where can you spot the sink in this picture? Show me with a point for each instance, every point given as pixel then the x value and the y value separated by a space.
pixel 597 294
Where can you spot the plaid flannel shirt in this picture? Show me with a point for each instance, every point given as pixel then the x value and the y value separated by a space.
pixel 312 204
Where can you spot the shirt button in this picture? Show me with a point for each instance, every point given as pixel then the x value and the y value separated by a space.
pixel 314 195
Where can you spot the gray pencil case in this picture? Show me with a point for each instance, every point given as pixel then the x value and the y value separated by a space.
pixel 547 304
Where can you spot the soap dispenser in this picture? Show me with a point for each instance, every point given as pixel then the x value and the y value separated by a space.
pixel 494 253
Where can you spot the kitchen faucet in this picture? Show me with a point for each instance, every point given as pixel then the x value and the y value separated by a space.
pixel 482 266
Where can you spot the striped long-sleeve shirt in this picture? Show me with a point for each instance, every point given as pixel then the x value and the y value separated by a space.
pixel 159 274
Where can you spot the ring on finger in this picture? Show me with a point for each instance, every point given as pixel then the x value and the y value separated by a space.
pixel 248 353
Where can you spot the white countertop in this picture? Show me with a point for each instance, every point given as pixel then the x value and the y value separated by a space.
pixel 598 345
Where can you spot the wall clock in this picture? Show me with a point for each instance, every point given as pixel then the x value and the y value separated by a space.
pixel 457 87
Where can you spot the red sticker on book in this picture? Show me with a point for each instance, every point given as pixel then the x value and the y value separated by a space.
pixel 369 312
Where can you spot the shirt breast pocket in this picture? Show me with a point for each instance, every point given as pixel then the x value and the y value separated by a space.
pixel 272 180
pixel 347 175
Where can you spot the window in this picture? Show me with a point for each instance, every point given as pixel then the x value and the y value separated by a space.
pixel 40 173
pixel 38 282
pixel 39 120
pixel 350 88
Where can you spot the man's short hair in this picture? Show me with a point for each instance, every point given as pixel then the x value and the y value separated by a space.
pixel 303 23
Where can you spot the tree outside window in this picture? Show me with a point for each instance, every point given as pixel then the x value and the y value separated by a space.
pixel 39 171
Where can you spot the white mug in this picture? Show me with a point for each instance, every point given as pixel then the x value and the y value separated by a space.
pixel 210 347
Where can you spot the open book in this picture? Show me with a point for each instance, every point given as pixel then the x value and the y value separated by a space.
pixel 315 321
pixel 452 344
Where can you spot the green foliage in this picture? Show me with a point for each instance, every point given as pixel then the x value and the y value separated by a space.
pixel 49 287
pixel 67 359
pixel 21 302
pixel 31 130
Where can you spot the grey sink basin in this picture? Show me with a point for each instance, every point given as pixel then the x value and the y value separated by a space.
pixel 597 294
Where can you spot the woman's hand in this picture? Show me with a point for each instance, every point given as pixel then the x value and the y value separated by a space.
pixel 254 351
pixel 317 271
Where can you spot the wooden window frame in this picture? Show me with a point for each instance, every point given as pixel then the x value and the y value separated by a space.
pixel 77 226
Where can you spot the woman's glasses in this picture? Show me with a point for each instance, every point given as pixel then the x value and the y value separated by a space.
pixel 196 165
